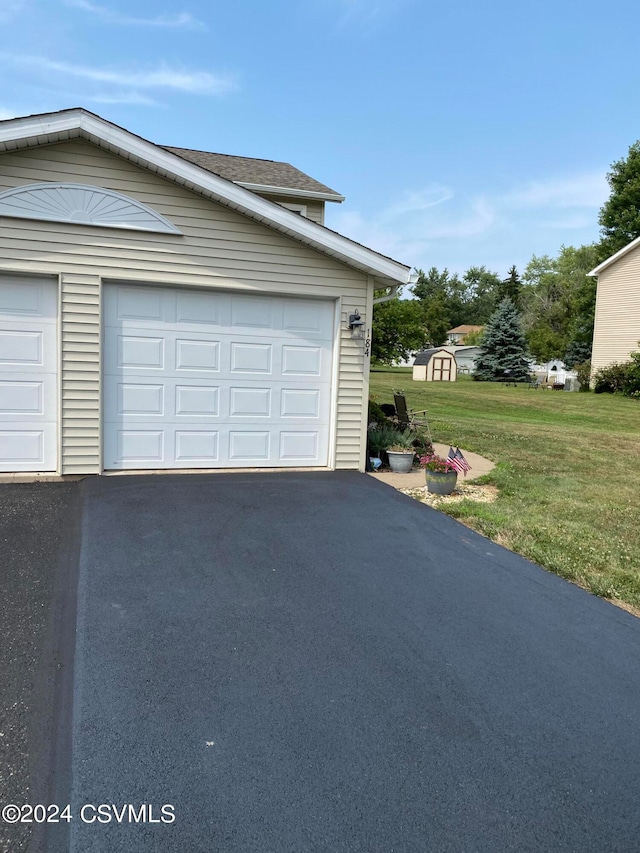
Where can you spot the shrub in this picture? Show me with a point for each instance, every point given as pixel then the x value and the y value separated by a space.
pixel 422 444
pixel 632 385
pixel 583 374
pixel 376 414
pixel 380 439
pixel 611 379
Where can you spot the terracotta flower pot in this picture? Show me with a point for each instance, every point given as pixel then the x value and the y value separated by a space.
pixel 441 482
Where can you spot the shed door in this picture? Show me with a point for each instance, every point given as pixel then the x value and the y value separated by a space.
pixel 441 370
pixel 28 375
pixel 197 379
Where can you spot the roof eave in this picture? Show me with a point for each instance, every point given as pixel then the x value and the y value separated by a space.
pixel 615 257
pixel 289 191
pixel 50 128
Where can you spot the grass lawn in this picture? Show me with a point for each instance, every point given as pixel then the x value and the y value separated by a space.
pixel 567 470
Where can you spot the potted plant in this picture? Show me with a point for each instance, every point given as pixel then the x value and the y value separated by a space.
pixel 379 439
pixel 401 452
pixel 440 473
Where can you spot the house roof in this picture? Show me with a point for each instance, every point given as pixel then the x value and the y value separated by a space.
pixel 424 357
pixel 616 257
pixel 464 330
pixel 49 128
pixel 254 173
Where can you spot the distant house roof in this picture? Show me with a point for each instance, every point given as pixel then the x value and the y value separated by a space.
pixel 464 330
pixel 253 173
pixel 424 357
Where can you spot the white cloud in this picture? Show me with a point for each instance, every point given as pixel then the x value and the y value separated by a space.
pixel 162 77
pixel 123 98
pixel 183 20
pixel 5 114
pixel 415 201
pixel 586 190
pixel 438 226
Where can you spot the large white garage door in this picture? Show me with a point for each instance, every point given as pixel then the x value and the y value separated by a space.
pixel 28 375
pixel 198 379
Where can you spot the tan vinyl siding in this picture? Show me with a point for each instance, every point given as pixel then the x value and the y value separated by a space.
pixel 617 320
pixel 80 354
pixel 218 248
pixel 315 208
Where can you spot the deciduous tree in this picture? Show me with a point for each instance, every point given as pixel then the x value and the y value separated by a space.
pixel 399 329
pixel 620 214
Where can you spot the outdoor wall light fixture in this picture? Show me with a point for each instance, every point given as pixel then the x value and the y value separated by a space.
pixel 356 324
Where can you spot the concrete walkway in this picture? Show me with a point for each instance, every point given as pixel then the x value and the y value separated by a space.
pixel 415 478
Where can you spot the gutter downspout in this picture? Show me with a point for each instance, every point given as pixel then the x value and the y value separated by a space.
pixel 413 278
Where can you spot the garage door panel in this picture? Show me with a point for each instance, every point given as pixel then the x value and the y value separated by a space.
pixel 140 399
pixel 140 446
pixel 21 398
pixel 21 348
pixel 300 447
pixel 136 352
pixel 197 401
pixel 23 446
pixel 195 354
pixel 28 375
pixel 197 446
pixel 218 382
pixel 193 308
pixel 299 403
pixel 22 300
pixel 249 313
pixel 251 358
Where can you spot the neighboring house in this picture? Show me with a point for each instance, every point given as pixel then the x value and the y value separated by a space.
pixel 465 357
pixel 457 335
pixel 435 365
pixel 161 308
pixel 616 329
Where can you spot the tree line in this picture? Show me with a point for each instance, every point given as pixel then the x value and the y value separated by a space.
pixel 554 296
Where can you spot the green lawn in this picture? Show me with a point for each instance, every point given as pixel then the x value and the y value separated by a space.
pixel 567 470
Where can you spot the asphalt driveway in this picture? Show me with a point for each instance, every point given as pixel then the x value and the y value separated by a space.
pixel 315 662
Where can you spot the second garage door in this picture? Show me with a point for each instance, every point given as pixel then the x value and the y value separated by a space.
pixel 198 379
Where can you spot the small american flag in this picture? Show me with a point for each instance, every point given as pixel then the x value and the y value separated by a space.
pixel 458 461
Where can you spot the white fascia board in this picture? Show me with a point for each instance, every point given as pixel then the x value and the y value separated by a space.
pixel 226 192
pixel 623 251
pixel 265 188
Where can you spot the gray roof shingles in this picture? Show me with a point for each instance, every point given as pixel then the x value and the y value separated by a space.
pixel 251 170
pixel 424 357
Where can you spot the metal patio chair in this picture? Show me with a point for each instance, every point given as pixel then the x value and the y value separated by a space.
pixel 408 418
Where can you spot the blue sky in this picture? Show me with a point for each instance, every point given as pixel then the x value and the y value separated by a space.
pixel 461 134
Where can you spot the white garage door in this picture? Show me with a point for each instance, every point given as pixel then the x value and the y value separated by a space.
pixel 197 379
pixel 28 375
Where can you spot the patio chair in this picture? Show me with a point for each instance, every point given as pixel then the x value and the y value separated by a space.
pixel 408 418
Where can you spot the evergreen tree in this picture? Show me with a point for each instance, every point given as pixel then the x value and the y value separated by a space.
pixel 620 214
pixel 503 347
pixel 510 287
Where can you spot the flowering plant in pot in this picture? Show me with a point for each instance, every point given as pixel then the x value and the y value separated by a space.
pixel 401 452
pixel 440 473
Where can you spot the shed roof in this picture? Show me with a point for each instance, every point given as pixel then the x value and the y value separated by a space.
pixel 424 357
